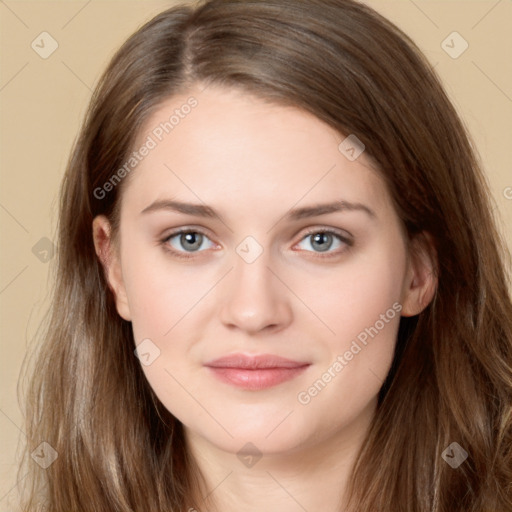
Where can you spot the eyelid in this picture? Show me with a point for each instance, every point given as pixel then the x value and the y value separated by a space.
pixel 185 229
pixel 178 231
pixel 344 236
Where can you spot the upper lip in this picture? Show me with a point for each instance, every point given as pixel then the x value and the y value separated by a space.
pixel 254 362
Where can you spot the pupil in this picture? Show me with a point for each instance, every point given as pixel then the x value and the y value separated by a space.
pixel 324 240
pixel 192 239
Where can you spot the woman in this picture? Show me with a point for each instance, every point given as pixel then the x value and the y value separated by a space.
pixel 279 282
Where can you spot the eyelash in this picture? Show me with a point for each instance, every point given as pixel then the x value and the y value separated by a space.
pixel 326 231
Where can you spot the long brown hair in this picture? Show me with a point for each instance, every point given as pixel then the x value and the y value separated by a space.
pixel 451 380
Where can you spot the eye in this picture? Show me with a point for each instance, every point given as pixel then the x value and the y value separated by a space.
pixel 325 241
pixel 186 241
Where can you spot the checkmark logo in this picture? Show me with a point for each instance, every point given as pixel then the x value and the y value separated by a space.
pixel 454 455
pixel 249 455
pixel 44 455
pixel 147 351
pixel 454 45
pixel 44 250
pixel 249 249
pixel 351 147
pixel 44 45
pixel 40 454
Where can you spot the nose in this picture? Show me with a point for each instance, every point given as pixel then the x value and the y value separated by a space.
pixel 254 300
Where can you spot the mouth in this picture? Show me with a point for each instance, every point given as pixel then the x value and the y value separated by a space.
pixel 255 372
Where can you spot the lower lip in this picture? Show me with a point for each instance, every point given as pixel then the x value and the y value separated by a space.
pixel 256 379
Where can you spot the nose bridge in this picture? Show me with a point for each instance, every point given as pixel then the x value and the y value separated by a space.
pixel 255 300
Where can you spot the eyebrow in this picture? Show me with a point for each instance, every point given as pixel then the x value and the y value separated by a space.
pixel 201 210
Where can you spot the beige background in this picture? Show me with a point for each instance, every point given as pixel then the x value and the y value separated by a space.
pixel 43 100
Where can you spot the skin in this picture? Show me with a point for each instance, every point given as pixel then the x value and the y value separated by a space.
pixel 253 162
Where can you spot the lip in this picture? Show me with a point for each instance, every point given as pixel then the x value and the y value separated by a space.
pixel 255 372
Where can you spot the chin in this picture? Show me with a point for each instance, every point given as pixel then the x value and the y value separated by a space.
pixel 269 434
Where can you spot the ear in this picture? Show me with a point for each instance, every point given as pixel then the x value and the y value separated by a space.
pixel 420 283
pixel 108 255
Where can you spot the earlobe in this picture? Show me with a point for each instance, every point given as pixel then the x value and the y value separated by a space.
pixel 109 259
pixel 420 284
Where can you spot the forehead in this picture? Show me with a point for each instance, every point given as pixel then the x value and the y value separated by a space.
pixel 224 145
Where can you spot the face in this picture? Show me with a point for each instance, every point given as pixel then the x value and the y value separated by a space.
pixel 263 271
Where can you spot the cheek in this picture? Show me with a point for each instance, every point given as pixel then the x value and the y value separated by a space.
pixel 161 294
pixel 360 303
pixel 353 296
pixel 165 300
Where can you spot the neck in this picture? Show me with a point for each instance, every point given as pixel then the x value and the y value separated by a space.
pixel 313 476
